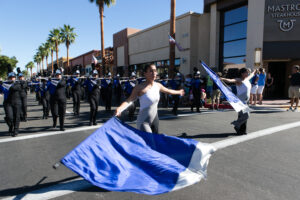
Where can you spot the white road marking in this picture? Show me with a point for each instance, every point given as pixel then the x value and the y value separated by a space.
pixel 84 128
pixel 54 191
pixel 80 184
pixel 38 135
pixel 236 140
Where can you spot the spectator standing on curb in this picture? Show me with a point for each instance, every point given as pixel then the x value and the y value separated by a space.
pixel 261 84
pixel 209 86
pixel 216 94
pixel 294 89
pixel 254 86
pixel 269 84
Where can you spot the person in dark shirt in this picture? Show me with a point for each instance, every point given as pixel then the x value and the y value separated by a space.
pixel 75 83
pixel 106 84
pixel 117 88
pixel 23 95
pixel 12 103
pixel 128 88
pixel 45 98
pixel 93 92
pixel 196 88
pixel 176 84
pixel 57 89
pixel 294 89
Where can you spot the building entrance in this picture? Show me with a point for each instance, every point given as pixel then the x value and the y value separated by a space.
pixel 278 72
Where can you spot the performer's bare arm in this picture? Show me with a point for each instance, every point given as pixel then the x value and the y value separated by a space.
pixel 131 98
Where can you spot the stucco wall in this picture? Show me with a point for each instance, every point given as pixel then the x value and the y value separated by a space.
pixel 255 29
pixel 152 44
pixel 121 56
pixel 214 36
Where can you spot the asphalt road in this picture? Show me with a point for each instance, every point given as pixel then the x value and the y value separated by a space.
pixel 263 168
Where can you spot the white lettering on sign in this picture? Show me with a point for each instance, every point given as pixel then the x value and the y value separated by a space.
pixel 284 14
pixel 283 8
pixel 286 25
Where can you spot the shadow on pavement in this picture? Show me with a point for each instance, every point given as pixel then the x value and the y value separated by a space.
pixel 27 189
pixel 218 135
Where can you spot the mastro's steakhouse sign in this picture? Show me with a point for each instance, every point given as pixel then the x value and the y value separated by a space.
pixel 284 14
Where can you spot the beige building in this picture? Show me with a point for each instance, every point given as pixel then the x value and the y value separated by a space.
pixel 229 34
pixel 151 45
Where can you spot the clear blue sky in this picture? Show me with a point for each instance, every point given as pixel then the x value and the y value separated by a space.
pixel 25 24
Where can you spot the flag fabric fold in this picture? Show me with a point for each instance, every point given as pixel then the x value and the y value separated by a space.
pixel 234 101
pixel 118 157
pixel 94 60
pixel 173 41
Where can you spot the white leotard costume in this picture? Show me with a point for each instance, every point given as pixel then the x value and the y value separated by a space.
pixel 147 119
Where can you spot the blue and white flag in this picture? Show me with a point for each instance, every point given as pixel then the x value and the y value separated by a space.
pixel 118 157
pixel 234 101
pixel 173 41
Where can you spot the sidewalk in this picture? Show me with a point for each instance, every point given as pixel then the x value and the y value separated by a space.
pixel 282 104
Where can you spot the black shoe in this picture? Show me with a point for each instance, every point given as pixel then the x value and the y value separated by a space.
pixel 14 133
pixel 10 130
pixel 198 110
pixel 62 129
pixel 237 130
pixel 90 124
pixel 95 123
pixel 243 129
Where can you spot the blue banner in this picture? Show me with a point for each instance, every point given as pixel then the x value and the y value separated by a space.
pixel 118 157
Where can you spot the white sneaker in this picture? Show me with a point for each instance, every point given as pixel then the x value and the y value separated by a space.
pixel 296 110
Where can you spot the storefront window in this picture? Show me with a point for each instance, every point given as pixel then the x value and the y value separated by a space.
pixel 233 37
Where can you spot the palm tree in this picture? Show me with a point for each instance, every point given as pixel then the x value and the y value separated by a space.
pixel 37 59
pixel 172 33
pixel 30 65
pixel 42 53
pixel 55 37
pixel 52 49
pixel 101 4
pixel 46 51
pixel 68 37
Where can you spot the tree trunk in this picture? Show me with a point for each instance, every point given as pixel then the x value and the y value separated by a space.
pixel 31 72
pixel 56 47
pixel 46 63
pixel 68 64
pixel 43 63
pixel 37 67
pixel 172 33
pixel 101 11
pixel 52 60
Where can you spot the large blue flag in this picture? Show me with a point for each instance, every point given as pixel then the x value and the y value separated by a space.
pixel 118 157
pixel 234 101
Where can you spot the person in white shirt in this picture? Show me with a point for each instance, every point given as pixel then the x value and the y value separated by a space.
pixel 243 87
pixel 148 93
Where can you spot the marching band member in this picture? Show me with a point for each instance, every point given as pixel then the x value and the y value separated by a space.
pixel 57 88
pixel 93 88
pixel 11 103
